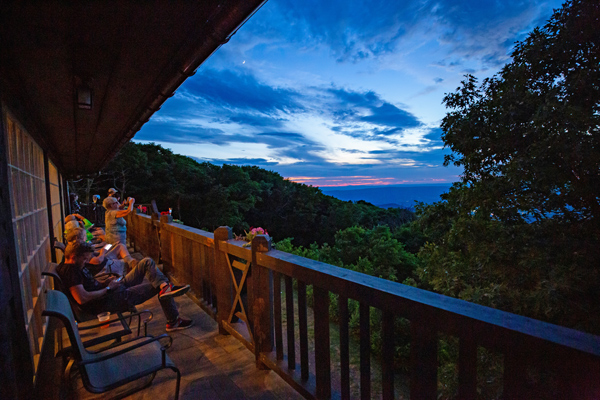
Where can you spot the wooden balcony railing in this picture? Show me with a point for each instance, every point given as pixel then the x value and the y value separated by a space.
pixel 241 288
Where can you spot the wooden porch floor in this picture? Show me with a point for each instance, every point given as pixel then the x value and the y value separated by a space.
pixel 212 366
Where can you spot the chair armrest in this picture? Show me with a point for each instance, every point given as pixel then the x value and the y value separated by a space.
pixel 145 321
pixel 120 317
pixel 149 340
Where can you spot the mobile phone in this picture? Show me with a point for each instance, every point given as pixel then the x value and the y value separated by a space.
pixel 108 246
pixel 119 279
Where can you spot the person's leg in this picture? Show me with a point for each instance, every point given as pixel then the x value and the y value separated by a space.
pixel 123 253
pixel 138 294
pixel 112 239
pixel 115 267
pixel 119 252
pixel 145 268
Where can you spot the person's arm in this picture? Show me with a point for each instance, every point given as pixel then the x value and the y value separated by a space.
pixel 124 213
pixel 98 259
pixel 82 296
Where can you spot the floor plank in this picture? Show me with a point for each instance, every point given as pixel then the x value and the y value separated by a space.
pixel 213 366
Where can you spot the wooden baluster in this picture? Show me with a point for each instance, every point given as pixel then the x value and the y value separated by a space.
pixel 467 368
pixel 365 351
pixel 514 376
pixel 212 275
pixel 262 308
pixel 303 322
pixel 205 275
pixel 322 343
pixel 277 312
pixel 289 310
pixel 387 352
pixel 222 278
pixel 423 361
pixel 344 347
pixel 197 268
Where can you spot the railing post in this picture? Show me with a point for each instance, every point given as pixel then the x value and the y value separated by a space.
pixel 132 230
pixel 222 278
pixel 151 239
pixel 260 300
pixel 423 360
pixel 164 242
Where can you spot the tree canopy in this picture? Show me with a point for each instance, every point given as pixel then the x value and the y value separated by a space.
pixel 528 138
pixel 207 196
pixel 521 230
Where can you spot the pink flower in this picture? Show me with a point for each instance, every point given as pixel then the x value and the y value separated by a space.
pixel 255 231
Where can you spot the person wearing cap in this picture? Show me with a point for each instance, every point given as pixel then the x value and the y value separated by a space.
pixel 114 221
pixel 75 220
pixel 112 192
pixel 113 295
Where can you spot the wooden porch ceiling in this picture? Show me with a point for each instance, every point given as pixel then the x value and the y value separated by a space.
pixel 132 54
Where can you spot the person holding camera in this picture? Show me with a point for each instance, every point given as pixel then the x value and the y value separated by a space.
pixel 115 224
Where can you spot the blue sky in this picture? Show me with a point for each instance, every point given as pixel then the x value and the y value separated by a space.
pixel 333 93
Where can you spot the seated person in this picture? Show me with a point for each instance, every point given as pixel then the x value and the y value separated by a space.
pixel 93 231
pixel 112 295
pixel 114 260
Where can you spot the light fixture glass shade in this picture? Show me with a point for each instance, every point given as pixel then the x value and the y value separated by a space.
pixel 84 97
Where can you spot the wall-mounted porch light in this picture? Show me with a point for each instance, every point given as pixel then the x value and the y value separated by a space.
pixel 84 97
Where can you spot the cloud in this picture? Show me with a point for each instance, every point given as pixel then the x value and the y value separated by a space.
pixel 366 116
pixel 353 31
pixel 233 89
pixel 173 133
pixel 362 30
pixel 262 162
pixel 207 112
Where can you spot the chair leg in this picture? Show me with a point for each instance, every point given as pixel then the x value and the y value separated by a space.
pixel 177 385
pixel 66 378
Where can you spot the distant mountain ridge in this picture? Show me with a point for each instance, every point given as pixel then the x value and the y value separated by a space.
pixel 390 196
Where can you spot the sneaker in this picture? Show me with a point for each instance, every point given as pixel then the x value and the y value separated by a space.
pixel 180 324
pixel 173 291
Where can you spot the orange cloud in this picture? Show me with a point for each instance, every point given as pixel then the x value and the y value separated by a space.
pixel 357 180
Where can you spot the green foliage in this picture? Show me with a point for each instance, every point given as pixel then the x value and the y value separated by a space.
pixel 208 196
pixel 521 231
pixel 374 252
pixel 528 138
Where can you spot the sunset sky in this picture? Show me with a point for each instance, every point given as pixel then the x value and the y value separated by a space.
pixel 335 93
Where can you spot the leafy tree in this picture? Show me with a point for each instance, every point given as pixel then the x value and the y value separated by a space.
pixel 528 138
pixel 521 230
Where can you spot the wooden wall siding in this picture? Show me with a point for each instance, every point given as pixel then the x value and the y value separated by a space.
pixel 574 356
pixel 55 199
pixel 30 224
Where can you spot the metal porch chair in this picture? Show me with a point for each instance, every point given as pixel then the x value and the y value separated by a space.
pixel 117 365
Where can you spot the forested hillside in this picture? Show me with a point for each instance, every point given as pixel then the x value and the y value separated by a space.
pixel 207 196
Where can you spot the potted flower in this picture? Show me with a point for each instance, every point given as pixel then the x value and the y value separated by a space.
pixel 252 234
